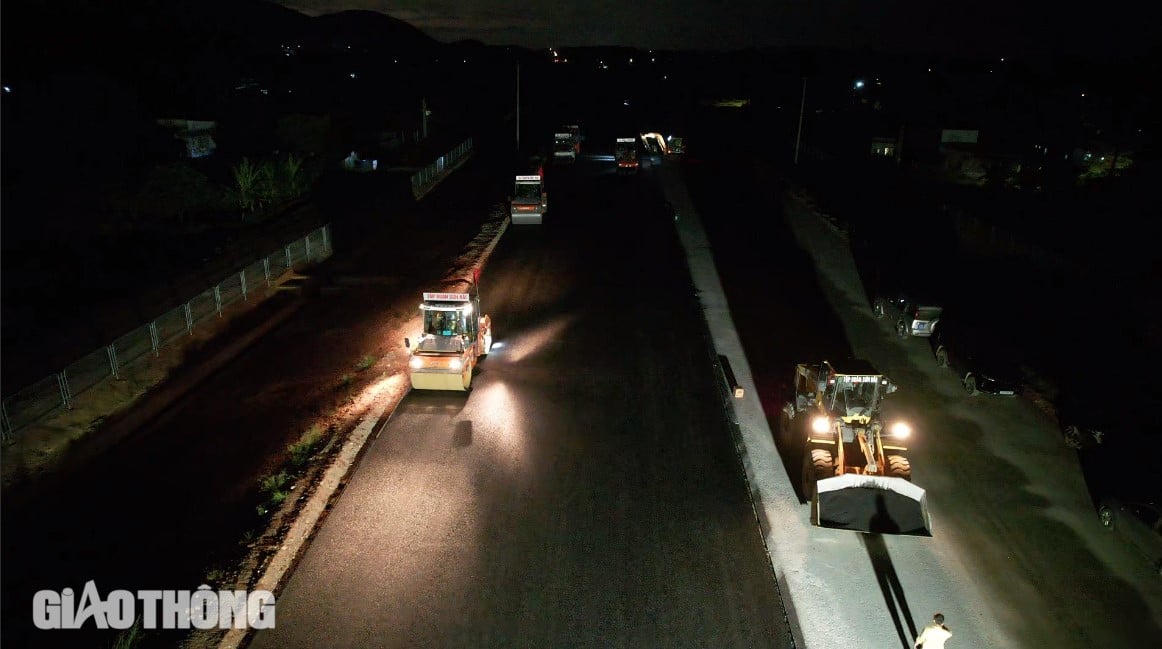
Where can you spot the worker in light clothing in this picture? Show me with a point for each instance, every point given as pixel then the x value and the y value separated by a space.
pixel 935 634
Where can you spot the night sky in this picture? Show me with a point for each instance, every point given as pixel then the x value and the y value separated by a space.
pixel 979 27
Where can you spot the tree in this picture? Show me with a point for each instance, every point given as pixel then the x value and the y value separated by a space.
pixel 249 180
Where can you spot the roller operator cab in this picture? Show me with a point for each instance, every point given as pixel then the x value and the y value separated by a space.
pixel 455 337
pixel 529 200
pixel 626 155
pixel 855 470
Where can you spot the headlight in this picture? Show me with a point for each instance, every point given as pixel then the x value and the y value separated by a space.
pixel 821 424
pixel 900 430
pixel 455 364
pixel 416 363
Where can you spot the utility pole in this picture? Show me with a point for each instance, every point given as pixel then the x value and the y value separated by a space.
pixel 799 133
pixel 518 105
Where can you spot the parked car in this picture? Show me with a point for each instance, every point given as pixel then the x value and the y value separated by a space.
pixel 1139 523
pixel 984 361
pixel 913 316
pixel 1089 416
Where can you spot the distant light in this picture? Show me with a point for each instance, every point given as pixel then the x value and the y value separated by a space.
pixel 667 77
pixel 352 75
pixel 9 89
pixel 929 69
pixel 1002 59
pixel 653 60
pixel 859 84
pixel 396 61
pixel 631 59
pixel 1083 94
pixel 465 60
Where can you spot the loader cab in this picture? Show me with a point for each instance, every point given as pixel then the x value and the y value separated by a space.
pixel 853 389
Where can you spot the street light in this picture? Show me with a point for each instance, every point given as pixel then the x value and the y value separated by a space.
pixel 799 133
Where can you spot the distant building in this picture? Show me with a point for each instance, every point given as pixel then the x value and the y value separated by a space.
pixel 884 147
pixel 198 135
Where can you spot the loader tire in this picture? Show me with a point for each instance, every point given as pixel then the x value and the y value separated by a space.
pixel 899 467
pixel 818 464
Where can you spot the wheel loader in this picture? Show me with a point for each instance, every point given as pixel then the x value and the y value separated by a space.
pixel 454 338
pixel 855 469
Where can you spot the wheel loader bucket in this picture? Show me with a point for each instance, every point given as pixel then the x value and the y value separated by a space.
pixel 873 504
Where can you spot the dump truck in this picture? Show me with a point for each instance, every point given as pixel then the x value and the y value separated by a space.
pixel 625 153
pixel 454 338
pixel 529 201
pixel 856 474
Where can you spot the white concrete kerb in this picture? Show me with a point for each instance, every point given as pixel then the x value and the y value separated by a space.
pixel 771 492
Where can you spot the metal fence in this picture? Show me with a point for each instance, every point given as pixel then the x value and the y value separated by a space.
pixel 432 172
pixel 63 389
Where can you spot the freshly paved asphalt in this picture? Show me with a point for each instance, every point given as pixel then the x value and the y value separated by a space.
pixel 585 493
pixel 176 496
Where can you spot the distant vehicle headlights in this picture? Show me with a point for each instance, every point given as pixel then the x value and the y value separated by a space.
pixel 900 430
pixel 821 424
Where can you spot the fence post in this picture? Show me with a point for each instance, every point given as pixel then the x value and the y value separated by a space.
pixel 62 381
pixel 307 242
pixel 242 281
pixel 218 298
pixel 266 270
pixel 189 318
pixel 326 238
pixel 289 264
pixel 111 353
pixel 153 338
pixel 5 425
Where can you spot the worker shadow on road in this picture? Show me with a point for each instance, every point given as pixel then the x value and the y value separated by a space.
pixel 890 587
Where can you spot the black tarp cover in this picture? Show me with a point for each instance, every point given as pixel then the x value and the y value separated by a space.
pixel 872 504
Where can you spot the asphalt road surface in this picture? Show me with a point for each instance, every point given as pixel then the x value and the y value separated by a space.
pixel 176 496
pixel 585 493
pixel 1017 558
